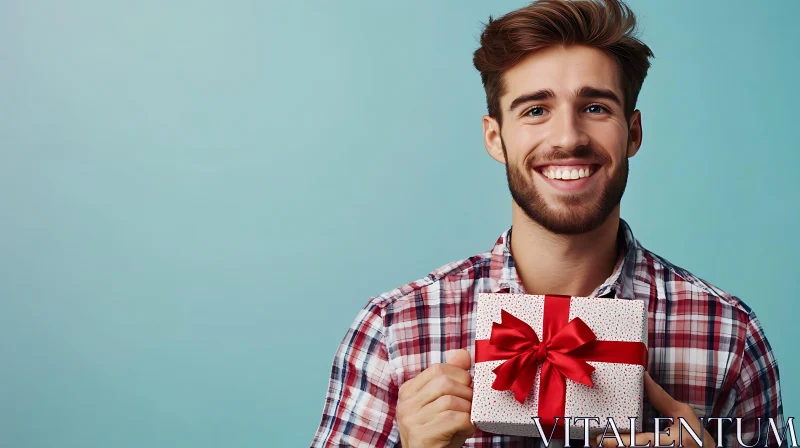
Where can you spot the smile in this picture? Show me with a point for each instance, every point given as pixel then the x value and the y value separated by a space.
pixel 569 172
pixel 569 178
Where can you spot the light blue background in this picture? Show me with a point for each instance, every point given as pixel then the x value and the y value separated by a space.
pixel 198 197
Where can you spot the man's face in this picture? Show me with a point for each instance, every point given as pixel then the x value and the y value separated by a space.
pixel 564 138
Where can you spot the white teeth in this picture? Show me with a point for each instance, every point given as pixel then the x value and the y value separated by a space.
pixel 568 174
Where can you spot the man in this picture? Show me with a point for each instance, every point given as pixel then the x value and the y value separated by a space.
pixel 561 81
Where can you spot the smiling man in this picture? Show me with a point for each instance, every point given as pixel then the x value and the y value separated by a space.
pixel 561 81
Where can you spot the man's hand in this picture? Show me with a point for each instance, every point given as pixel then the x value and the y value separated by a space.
pixel 670 407
pixel 433 409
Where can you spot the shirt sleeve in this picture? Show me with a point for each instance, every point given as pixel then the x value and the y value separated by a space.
pixel 758 394
pixel 362 394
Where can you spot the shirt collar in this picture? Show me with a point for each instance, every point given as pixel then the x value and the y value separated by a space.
pixel 618 285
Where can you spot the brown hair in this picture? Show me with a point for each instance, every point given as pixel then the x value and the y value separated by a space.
pixel 609 26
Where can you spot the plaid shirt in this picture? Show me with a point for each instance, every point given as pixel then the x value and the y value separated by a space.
pixel 706 347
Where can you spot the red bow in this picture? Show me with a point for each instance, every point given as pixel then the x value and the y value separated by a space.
pixel 515 338
pixel 564 350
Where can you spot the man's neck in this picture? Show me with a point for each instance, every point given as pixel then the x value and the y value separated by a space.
pixel 572 265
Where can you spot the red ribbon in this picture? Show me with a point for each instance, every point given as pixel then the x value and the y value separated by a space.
pixel 564 350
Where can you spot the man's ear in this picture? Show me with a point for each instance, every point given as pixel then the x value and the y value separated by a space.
pixel 634 133
pixel 491 139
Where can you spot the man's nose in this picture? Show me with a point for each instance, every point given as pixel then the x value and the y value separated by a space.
pixel 566 131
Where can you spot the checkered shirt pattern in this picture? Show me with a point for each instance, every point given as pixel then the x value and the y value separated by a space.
pixel 706 347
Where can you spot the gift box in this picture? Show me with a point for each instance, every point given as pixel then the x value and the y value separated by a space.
pixel 558 356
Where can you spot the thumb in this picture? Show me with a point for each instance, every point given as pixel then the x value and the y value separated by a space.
pixel 658 397
pixel 459 358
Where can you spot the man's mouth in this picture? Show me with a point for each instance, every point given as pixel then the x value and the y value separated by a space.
pixel 569 178
pixel 567 172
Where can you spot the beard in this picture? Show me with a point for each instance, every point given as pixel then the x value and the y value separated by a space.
pixel 581 212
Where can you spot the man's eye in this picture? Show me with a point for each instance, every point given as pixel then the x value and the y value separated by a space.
pixel 596 108
pixel 535 111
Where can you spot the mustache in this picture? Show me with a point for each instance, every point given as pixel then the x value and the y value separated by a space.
pixel 586 153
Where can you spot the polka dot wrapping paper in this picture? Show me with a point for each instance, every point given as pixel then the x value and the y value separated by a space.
pixel 617 390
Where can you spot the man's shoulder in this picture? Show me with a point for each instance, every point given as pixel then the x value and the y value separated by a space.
pixel 456 276
pixel 681 284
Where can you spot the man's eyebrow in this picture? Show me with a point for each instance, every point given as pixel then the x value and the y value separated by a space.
pixel 585 92
pixel 539 95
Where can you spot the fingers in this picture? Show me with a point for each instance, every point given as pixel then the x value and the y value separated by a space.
pixel 433 408
pixel 442 386
pixel 452 415
pixel 659 398
pixel 414 385
pixel 665 404
pixel 456 423
pixel 641 439
pixel 449 403
pixel 459 358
